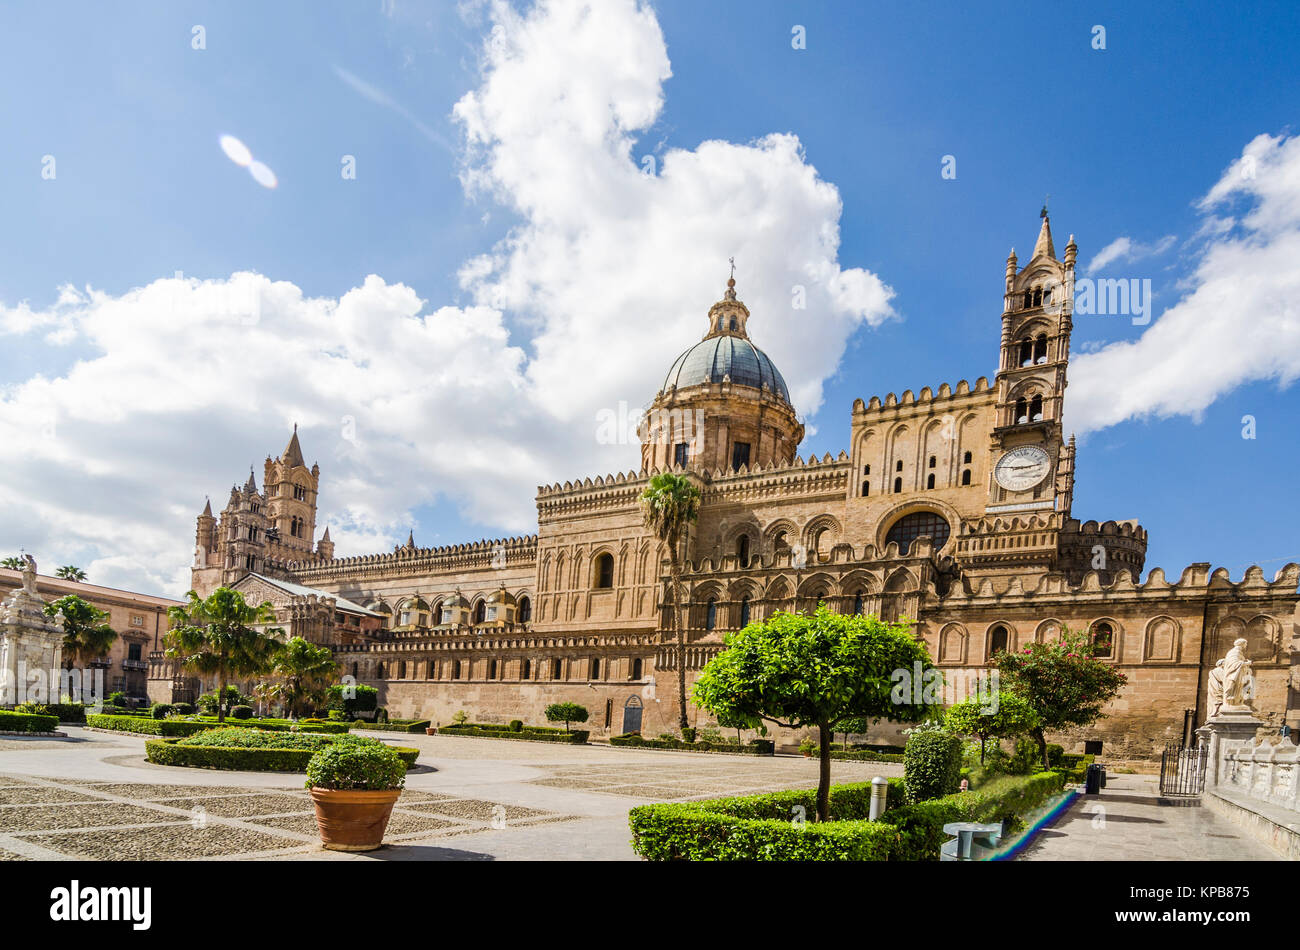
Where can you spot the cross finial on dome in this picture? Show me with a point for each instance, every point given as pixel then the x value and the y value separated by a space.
pixel 731 281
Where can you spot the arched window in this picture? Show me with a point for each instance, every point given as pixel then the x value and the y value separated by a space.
pixel 605 571
pixel 595 667
pixel 1040 348
pixel 379 671
pixel 929 481
pixel 711 614
pixel 780 542
pixel 866 470
pixel 966 458
pixel 898 485
pixel 401 670
pixel 858 604
pixel 480 612
pixel 744 611
pixel 1038 296
pixel 526 669
pixel 1103 640
pixel 557 669
pixel 1026 352
pixel 910 527
pixel 866 489
pixel 1028 300
pixel 965 477
pixel 742 550
pixel 1036 409
pixel 733 324
pixel 999 639
pixel 525 609
pixel 898 466
pixel 1022 411
pixel 455 669
pixel 492 669
pixel 636 668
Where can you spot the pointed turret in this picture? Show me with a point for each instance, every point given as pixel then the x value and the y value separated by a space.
pixel 1043 246
pixel 251 484
pixel 292 456
pixel 325 547
pixel 207 508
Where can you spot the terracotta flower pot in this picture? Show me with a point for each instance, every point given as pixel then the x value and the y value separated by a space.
pixel 430 731
pixel 353 820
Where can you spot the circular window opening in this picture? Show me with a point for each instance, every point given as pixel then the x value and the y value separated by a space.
pixel 919 523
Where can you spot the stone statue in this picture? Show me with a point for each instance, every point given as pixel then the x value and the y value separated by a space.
pixel 1238 678
pixel 29 574
pixel 1216 690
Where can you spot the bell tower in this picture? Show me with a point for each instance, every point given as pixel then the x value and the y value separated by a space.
pixel 1030 460
pixel 291 489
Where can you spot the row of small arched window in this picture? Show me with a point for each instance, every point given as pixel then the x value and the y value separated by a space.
pixel 929 479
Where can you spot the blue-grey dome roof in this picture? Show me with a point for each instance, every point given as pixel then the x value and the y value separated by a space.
pixel 713 358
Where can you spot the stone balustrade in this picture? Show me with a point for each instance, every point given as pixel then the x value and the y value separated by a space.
pixel 1264 770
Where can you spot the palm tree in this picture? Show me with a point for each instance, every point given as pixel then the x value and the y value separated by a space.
pixel 85 635
pixel 14 563
pixel 70 572
pixel 302 670
pixel 218 636
pixel 670 504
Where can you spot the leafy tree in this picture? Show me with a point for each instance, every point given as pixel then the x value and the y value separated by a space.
pixel 670 504
pixel 301 672
pixel 218 636
pixel 805 670
pixel 1062 682
pixel 1011 715
pixel 231 696
pixel 732 720
pixel 70 572
pixel 85 634
pixel 853 725
pixel 352 698
pixel 14 563
pixel 566 713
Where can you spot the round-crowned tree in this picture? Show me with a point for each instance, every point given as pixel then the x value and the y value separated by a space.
pixel 566 713
pixel 816 670
pixel 999 716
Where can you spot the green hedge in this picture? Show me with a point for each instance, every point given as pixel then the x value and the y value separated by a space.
pixel 860 755
pixel 168 752
pixel 187 727
pixel 27 722
pixel 754 747
pixel 64 712
pixel 504 727
pixel 401 725
pixel 576 737
pixel 760 827
pixel 931 765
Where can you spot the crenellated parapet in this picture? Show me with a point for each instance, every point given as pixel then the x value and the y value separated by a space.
pixel 484 554
pixel 925 400
pixel 1108 547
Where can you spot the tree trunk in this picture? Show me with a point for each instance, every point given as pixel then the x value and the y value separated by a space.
pixel 1041 739
pixel 675 572
pixel 981 750
pixel 221 697
pixel 824 773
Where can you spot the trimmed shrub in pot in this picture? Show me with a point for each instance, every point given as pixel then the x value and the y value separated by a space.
pixel 354 786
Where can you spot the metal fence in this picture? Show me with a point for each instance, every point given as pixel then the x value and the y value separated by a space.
pixel 1182 771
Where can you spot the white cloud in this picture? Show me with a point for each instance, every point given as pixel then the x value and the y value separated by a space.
pixel 185 382
pixel 1126 250
pixel 1237 323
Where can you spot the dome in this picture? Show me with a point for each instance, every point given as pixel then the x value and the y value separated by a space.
pixel 715 357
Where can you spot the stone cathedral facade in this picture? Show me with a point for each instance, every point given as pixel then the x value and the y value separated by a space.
pixel 951 507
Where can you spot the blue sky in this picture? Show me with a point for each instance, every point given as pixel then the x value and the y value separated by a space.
pixel 1126 140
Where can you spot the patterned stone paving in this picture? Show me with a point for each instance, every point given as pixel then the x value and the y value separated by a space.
pixel 128 821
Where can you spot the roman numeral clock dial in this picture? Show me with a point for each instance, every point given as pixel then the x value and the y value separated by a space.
pixel 1022 468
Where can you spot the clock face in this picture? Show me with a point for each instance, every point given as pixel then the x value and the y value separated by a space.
pixel 1022 468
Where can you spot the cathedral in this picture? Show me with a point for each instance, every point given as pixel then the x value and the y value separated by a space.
pixel 951 508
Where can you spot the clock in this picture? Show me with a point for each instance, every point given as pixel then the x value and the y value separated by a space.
pixel 1022 468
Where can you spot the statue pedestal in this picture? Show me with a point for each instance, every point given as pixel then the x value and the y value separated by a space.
pixel 1234 726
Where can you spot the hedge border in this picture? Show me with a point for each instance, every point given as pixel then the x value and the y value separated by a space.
pixel 27 723
pixel 576 737
pixel 231 758
pixel 759 827
pixel 860 755
pixel 180 728
pixel 400 725
pixel 753 747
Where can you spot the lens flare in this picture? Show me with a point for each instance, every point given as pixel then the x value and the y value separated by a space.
pixel 262 175
pixel 236 151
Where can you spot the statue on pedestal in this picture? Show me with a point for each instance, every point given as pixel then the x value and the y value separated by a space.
pixel 1216 691
pixel 1238 679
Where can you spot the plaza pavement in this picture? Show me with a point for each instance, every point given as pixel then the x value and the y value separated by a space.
pixel 93 796
pixel 1129 821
